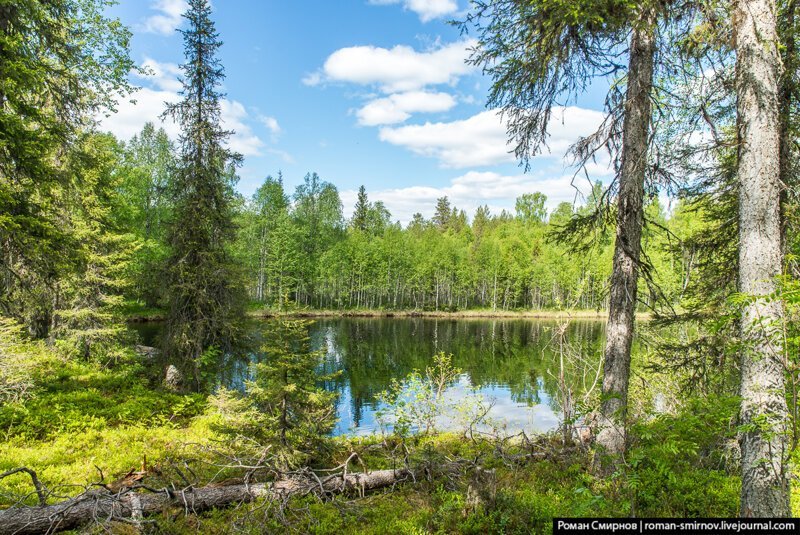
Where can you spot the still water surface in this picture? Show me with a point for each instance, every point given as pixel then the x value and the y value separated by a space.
pixel 513 364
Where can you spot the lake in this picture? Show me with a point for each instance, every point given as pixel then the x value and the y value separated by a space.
pixel 511 364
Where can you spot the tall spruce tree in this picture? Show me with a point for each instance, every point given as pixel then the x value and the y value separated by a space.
pixel 444 214
pixel 611 436
pixel 61 61
pixel 361 211
pixel 203 288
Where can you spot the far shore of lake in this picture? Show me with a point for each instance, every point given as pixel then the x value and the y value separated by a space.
pixel 458 314
pixel 156 316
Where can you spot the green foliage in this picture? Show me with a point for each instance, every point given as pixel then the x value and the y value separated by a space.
pixel 680 463
pixel 416 403
pixel 202 278
pixel 528 496
pixel 149 161
pixel 89 325
pixel 361 211
pixel 81 415
pixel 18 360
pixel 282 406
pixel 61 62
pixel 318 216
pixel 530 207
pixel 498 261
pixel 789 292
pixel 268 244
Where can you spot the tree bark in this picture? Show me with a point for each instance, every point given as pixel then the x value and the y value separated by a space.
pixel 102 505
pixel 627 249
pixel 764 414
pixel 788 89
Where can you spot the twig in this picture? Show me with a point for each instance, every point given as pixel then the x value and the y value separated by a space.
pixel 40 489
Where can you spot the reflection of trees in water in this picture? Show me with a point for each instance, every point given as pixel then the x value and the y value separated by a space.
pixel 512 354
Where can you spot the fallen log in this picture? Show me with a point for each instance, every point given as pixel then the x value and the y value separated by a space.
pixel 103 505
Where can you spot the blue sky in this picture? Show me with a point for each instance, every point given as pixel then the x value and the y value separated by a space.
pixel 372 92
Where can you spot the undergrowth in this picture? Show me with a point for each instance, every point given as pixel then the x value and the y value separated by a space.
pixel 83 421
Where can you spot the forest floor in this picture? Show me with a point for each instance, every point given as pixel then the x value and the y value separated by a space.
pixel 87 422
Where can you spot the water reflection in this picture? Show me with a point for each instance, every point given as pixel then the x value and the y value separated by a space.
pixel 511 363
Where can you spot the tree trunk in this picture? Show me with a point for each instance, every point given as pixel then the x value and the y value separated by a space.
pixel 103 505
pixel 764 415
pixel 786 35
pixel 625 273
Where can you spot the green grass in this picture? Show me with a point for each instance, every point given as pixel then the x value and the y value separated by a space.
pixel 87 417
pixel 84 416
pixel 526 499
pixel 138 311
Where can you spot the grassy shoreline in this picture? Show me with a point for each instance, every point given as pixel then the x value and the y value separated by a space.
pixel 155 315
pixel 460 314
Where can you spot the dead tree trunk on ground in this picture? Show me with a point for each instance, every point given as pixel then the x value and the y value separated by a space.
pixel 103 505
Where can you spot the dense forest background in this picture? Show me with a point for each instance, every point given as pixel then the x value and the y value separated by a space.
pixel 297 250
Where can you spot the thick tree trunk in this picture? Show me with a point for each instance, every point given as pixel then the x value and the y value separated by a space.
pixel 103 505
pixel 786 34
pixel 764 415
pixel 622 306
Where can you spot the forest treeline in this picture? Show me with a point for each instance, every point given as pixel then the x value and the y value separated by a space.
pixel 295 248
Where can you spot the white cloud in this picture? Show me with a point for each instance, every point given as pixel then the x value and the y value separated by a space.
pixel 168 19
pixel 271 123
pixel 473 189
pixel 131 116
pixel 399 107
pixel 165 76
pixel 315 78
pixel 149 104
pixel 243 140
pixel 478 140
pixel 282 154
pixel 397 69
pixel 481 140
pixel 426 9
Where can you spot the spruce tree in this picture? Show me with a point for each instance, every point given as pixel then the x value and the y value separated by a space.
pixel 203 289
pixel 443 214
pixel 764 414
pixel 88 321
pixel 361 211
pixel 540 55
pixel 61 61
pixel 295 410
